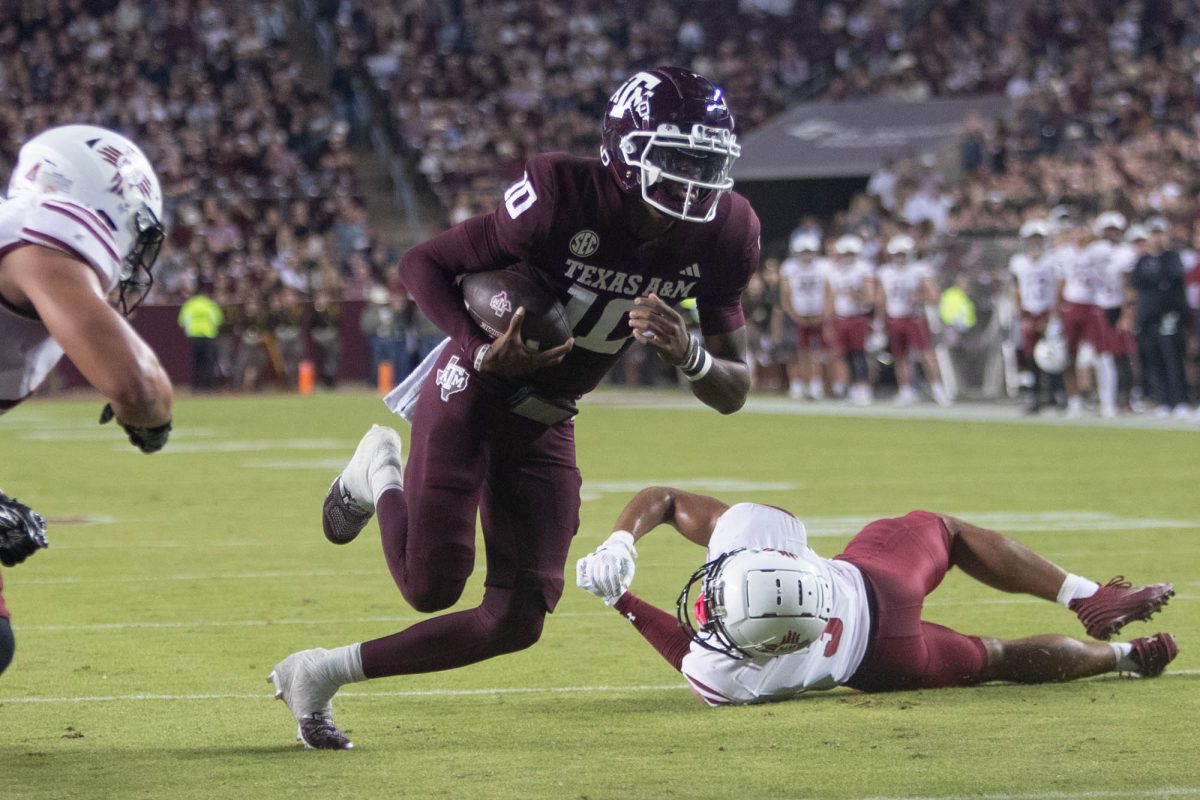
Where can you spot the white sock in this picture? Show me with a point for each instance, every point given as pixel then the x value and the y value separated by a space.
pixel 344 664
pixel 1076 588
pixel 390 478
pixel 1106 381
pixel 1124 662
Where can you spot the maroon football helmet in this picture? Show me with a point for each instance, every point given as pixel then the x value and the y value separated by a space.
pixel 668 133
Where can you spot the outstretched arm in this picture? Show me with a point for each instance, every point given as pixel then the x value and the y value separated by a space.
pixel 608 571
pixel 67 296
pixel 693 515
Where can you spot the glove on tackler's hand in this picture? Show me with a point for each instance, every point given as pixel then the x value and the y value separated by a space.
pixel 608 571
pixel 148 440
pixel 22 531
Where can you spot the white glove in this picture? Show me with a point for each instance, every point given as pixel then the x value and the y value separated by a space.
pixel 608 570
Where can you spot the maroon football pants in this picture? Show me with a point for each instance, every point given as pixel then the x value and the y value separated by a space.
pixel 468 453
pixel 902 560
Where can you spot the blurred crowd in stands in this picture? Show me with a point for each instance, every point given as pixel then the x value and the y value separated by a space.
pixel 249 126
pixel 259 184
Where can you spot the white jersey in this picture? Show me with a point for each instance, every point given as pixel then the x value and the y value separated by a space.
pixel 27 351
pixel 849 283
pixel 806 284
pixel 1037 280
pixel 902 286
pixel 826 663
pixel 1110 262
pixel 1079 282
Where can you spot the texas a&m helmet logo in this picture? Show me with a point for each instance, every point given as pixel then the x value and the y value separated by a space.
pixel 584 244
pixel 634 96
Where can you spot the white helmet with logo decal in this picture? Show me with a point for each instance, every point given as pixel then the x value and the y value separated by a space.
pixel 110 175
pixel 758 603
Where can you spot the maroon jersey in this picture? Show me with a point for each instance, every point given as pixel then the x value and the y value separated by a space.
pixel 563 224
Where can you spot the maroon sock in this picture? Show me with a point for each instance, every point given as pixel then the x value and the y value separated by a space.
pixel 657 626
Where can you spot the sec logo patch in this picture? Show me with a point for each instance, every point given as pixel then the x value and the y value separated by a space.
pixel 584 243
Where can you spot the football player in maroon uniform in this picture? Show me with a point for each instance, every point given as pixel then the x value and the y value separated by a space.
pixel 620 240
pixel 771 620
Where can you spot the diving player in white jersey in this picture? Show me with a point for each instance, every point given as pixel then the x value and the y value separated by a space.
pixel 803 297
pixel 769 619
pixel 81 220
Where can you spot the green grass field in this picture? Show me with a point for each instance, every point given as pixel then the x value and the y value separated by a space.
pixel 173 583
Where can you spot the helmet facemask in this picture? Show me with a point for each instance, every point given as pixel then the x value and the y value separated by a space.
pixel 708 609
pixel 683 175
pixel 136 278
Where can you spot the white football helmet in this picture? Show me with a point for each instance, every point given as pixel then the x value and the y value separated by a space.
pixel 805 242
pixel 1050 353
pixel 1113 220
pixel 900 244
pixel 849 244
pixel 1035 227
pixel 755 603
pixel 109 174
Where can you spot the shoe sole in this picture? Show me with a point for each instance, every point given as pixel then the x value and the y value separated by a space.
pixel 1155 606
pixel 274 680
pixel 346 531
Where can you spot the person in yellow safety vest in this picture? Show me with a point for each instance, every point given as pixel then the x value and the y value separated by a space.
pixel 956 309
pixel 201 318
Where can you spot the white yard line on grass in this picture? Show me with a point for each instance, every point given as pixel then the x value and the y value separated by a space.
pixel 426 693
pixel 216 576
pixel 1099 794
pixel 962 412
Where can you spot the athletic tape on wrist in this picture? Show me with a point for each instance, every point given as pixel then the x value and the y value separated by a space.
pixel 706 362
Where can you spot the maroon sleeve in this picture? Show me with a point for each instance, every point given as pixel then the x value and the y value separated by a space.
pixel 720 308
pixel 657 626
pixel 510 234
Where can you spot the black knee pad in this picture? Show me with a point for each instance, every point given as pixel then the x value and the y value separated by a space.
pixel 858 366
pixel 7 644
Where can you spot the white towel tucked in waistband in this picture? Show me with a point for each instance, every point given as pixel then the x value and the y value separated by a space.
pixel 403 399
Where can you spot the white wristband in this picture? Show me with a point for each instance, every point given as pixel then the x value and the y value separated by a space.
pixel 480 354
pixel 624 537
pixel 706 363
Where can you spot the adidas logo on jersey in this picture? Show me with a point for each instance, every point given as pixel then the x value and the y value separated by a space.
pixel 693 271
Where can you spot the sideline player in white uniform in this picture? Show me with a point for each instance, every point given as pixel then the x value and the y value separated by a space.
pixel 1077 309
pixel 803 297
pixel 849 298
pixel 906 285
pixel 771 619
pixel 1109 259
pixel 81 220
pixel 1035 272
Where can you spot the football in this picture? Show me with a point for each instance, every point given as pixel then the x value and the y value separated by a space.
pixel 492 297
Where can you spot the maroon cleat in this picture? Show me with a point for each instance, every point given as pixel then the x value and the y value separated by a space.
pixel 341 518
pixel 1153 653
pixel 1118 602
pixel 318 732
